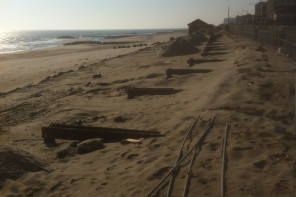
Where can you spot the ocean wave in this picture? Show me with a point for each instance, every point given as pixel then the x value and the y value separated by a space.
pixel 30 40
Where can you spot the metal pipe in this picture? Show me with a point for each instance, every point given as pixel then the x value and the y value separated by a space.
pixel 171 184
pixel 196 152
pixel 224 163
pixel 206 130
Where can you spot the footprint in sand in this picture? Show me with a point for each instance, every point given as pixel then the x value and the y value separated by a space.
pixel 214 146
pixel 132 156
pixel 154 146
pixel 159 173
pixel 140 162
pixel 123 154
pixel 55 186
pixel 151 159
pixel 74 180
pixel 208 164
pixel 260 164
pixel 242 148
pixel 109 169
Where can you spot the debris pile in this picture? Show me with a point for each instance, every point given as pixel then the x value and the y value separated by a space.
pixel 196 39
pixel 180 47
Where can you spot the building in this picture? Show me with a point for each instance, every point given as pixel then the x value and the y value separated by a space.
pixel 281 12
pixel 199 26
pixel 261 9
pixel 260 17
pixel 231 20
pixel 247 19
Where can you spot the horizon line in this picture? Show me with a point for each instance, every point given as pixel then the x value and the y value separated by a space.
pixel 172 28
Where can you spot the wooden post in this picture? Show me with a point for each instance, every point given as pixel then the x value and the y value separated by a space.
pixel 190 61
pixel 295 110
pixel 169 73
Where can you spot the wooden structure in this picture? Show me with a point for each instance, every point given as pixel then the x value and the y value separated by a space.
pixel 170 72
pixel 192 61
pixel 133 92
pixel 199 26
pixel 69 132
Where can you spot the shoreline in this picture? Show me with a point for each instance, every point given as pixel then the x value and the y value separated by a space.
pixel 20 69
pixel 60 36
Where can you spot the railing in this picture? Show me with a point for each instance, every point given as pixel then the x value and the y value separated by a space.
pixel 282 38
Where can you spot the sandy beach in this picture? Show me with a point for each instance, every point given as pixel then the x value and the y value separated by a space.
pixel 33 66
pixel 250 87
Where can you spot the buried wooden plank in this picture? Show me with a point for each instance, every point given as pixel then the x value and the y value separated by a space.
pixel 170 72
pixel 83 133
pixel 102 128
pixel 192 61
pixel 133 92
pixel 213 38
pixel 211 48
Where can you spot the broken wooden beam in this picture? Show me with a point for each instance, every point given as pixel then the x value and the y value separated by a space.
pixel 170 72
pixel 69 132
pixel 133 92
pixel 192 61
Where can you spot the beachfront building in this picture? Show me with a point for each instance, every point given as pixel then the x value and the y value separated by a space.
pixel 261 13
pixel 261 9
pixel 200 27
pixel 230 20
pixel 247 19
pixel 281 12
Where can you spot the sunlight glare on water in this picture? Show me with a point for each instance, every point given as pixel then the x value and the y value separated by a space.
pixel 10 41
pixel 30 40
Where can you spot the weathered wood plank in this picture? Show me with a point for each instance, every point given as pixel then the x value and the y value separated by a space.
pixel 170 72
pixel 192 61
pixel 82 133
pixel 133 92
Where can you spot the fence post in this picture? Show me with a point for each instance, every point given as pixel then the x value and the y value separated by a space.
pixel 295 109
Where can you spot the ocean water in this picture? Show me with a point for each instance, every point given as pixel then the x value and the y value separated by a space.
pixel 30 40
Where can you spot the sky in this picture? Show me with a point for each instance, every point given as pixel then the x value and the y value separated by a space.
pixel 115 14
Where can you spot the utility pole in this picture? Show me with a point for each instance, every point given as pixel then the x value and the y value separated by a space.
pixel 228 14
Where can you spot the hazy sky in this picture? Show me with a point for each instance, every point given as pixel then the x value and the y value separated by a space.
pixel 115 14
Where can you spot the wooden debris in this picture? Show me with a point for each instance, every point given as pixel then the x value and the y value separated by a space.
pixel 133 92
pixel 67 132
pixel 170 72
pixel 180 154
pixel 224 162
pixel 192 61
pixel 90 145
pixel 197 144
pixel 97 76
pixel 132 141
